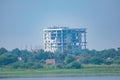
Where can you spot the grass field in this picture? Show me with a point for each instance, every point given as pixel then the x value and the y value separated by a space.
pixel 87 70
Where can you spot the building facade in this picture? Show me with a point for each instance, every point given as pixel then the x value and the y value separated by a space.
pixel 63 38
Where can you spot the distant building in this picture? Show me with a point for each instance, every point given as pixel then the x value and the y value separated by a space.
pixel 20 58
pixel 63 38
pixel 78 58
pixel 50 61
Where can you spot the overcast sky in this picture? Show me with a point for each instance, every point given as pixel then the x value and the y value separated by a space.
pixel 22 21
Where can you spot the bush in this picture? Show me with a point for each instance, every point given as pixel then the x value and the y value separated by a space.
pixel 7 58
pixel 69 59
pixel 116 60
pixel 60 66
pixel 73 65
pixel 96 60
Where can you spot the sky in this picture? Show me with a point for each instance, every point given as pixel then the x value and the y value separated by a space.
pixel 22 21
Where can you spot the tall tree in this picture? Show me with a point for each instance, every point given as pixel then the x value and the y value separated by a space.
pixel 3 50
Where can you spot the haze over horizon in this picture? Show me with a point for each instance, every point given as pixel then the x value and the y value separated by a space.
pixel 22 21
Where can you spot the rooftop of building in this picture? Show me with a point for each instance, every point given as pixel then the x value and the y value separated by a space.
pixel 58 27
pixel 64 28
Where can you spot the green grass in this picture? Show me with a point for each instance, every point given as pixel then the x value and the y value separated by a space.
pixel 63 71
pixel 87 70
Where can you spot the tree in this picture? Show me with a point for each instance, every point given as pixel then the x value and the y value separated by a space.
pixel 7 59
pixel 3 50
pixel 60 66
pixel 16 51
pixel 69 59
pixel 117 60
pixel 74 65
pixel 96 60
pixel 85 60
pixel 60 57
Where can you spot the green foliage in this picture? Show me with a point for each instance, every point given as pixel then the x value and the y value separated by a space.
pixel 66 59
pixel 69 59
pixel 85 60
pixel 16 52
pixel 44 55
pixel 60 65
pixel 96 60
pixel 60 57
pixel 117 60
pixel 29 65
pixel 3 50
pixel 108 61
pixel 73 65
pixel 7 58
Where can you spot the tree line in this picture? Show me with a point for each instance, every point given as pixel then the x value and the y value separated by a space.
pixel 68 59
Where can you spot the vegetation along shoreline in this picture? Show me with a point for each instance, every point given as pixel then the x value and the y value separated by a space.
pixel 70 62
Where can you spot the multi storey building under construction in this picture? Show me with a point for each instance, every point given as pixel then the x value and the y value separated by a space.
pixel 64 38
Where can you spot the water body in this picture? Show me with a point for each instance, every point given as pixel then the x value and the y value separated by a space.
pixel 69 78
